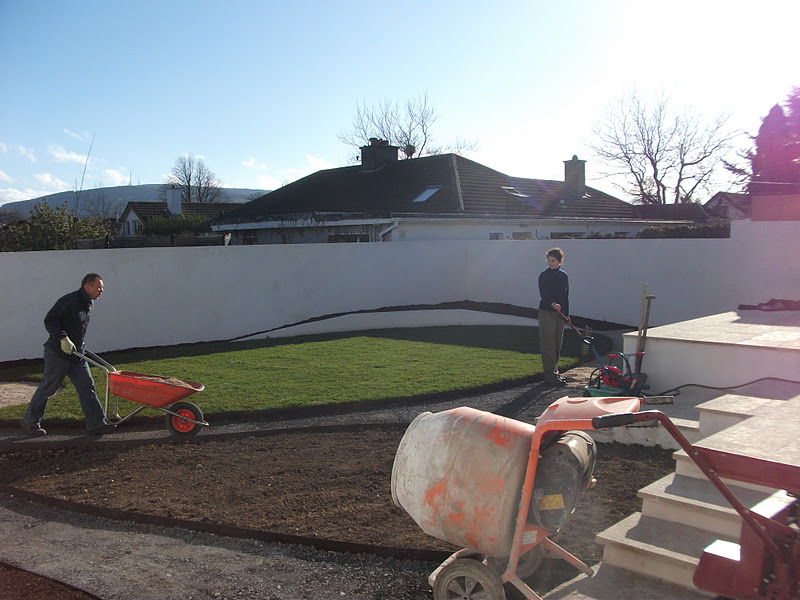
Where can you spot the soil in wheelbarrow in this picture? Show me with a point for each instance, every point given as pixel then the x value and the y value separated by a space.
pixel 323 484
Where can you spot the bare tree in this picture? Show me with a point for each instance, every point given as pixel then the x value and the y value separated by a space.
pixel 95 204
pixel 196 182
pixel 663 156
pixel 408 126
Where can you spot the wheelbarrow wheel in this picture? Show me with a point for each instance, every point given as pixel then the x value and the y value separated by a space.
pixel 467 579
pixel 181 425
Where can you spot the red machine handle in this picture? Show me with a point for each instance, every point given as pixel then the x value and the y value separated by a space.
pixel 700 457
pixel 617 420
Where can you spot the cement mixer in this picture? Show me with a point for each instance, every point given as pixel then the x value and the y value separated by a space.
pixel 499 488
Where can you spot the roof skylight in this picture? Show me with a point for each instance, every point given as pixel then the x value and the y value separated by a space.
pixel 513 191
pixel 427 193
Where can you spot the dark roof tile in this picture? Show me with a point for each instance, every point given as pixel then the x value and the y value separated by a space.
pixel 455 186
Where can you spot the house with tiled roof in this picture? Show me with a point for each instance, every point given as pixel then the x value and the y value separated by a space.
pixel 729 205
pixel 441 197
pixel 136 214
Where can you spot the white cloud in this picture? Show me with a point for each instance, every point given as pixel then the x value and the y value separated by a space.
pixel 251 163
pixel 5 177
pixel 14 195
pixel 278 179
pixel 3 147
pixel 265 182
pixel 53 184
pixel 61 155
pixel 112 178
pixel 78 136
pixel 317 164
pixel 27 153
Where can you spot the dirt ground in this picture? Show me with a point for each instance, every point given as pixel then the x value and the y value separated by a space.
pixel 326 484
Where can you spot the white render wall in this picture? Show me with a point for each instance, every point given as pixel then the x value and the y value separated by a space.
pixel 162 296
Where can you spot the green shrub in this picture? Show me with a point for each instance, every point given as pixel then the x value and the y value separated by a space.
pixel 713 230
pixel 183 225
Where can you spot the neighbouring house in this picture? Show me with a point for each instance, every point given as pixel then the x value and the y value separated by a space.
pixel 441 197
pixel 136 214
pixel 729 205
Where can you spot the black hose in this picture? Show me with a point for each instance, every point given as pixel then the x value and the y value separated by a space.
pixel 724 389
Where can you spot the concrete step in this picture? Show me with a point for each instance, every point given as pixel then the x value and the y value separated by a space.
pixel 655 548
pixel 648 434
pixel 697 503
pixel 688 468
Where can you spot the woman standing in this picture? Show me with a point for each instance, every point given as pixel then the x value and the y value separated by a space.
pixel 554 292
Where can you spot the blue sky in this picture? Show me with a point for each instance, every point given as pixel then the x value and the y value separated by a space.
pixel 261 89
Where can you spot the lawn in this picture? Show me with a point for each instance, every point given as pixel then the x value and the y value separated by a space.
pixel 326 369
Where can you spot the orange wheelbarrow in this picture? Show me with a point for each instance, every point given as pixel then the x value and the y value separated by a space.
pixel 154 391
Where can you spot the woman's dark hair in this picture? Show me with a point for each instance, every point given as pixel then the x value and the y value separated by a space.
pixel 557 253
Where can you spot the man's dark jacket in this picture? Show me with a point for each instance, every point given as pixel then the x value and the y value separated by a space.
pixel 68 317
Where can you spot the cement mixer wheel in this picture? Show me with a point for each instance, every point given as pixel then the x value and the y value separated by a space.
pixel 528 563
pixel 467 579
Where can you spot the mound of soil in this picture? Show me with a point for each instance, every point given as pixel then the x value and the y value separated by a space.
pixel 328 484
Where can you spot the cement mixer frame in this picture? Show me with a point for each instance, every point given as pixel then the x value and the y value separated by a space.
pixel 530 540
pixel 764 565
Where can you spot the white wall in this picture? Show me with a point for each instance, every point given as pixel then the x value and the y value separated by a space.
pixel 161 296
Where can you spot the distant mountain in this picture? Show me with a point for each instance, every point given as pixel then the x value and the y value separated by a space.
pixel 114 199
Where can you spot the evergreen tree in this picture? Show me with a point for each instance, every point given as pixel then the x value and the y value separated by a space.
pixel 776 160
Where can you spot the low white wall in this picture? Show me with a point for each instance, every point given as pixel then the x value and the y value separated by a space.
pixel 161 296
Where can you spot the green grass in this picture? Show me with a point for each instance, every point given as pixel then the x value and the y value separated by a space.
pixel 325 369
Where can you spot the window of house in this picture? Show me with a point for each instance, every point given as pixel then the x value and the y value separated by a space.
pixel 425 195
pixel 495 236
pixel 137 227
pixel 336 238
pixel 567 235
pixel 513 191
pixel 521 235
pixel 249 238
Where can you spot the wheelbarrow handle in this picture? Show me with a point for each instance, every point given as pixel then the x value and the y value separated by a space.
pixel 95 360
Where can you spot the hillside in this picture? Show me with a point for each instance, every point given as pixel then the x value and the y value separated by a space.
pixel 111 201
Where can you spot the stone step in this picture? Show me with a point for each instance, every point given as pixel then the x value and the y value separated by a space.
pixel 686 467
pixel 649 434
pixel 697 503
pixel 655 548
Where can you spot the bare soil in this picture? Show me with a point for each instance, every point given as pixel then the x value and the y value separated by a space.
pixel 319 483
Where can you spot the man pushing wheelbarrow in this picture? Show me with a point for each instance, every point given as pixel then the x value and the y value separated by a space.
pixel 64 355
pixel 66 323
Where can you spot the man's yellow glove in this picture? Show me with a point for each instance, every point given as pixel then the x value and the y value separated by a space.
pixel 67 347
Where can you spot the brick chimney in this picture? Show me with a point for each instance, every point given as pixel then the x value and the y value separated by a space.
pixel 575 174
pixel 378 153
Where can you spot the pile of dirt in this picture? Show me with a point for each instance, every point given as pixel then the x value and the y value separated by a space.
pixel 330 484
